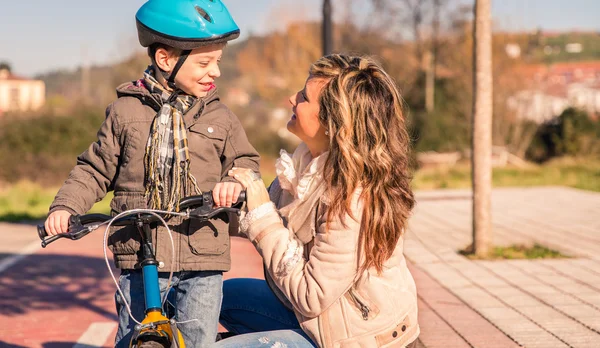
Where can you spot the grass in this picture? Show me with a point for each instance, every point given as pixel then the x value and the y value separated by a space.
pixel 26 201
pixel 29 201
pixel 578 173
pixel 515 252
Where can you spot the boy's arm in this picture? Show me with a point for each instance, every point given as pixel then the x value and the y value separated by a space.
pixel 92 177
pixel 238 151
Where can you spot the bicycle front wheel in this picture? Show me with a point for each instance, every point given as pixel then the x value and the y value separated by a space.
pixel 151 344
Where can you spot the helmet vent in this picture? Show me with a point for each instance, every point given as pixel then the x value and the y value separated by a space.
pixel 204 14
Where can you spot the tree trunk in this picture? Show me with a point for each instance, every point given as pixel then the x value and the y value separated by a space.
pixel 482 128
pixel 327 28
pixel 429 81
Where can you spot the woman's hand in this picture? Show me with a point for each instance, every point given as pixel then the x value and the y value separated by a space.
pixel 256 192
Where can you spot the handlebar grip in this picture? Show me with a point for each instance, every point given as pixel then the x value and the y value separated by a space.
pixel 73 221
pixel 43 234
pixel 241 198
pixel 41 230
pixel 74 227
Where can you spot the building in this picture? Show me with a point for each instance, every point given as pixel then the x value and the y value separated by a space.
pixel 20 94
pixel 554 88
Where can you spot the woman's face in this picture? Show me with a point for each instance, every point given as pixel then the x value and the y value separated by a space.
pixel 305 115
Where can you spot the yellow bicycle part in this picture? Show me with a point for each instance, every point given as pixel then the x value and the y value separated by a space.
pixel 162 331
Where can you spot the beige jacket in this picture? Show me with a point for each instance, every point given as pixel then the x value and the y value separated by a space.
pixel 336 306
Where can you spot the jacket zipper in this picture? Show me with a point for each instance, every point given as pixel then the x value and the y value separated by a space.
pixel 364 309
pixel 200 110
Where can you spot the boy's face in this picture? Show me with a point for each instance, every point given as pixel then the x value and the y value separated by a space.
pixel 199 71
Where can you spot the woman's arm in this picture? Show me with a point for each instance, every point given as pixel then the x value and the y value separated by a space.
pixel 312 284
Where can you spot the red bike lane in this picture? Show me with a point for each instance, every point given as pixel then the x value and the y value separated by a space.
pixel 63 296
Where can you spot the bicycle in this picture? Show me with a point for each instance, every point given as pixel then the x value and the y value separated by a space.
pixel 157 329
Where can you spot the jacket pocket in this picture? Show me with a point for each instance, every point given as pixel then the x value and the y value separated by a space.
pixel 397 334
pixel 209 134
pixel 361 304
pixel 125 240
pixel 208 237
pixel 131 146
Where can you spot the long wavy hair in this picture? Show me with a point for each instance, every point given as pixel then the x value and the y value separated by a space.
pixel 361 108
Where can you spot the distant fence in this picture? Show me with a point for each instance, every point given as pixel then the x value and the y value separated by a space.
pixel 501 157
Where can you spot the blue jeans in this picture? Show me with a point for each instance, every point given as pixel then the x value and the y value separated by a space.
pixel 197 296
pixel 251 310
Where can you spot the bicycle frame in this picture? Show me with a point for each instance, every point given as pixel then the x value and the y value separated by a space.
pixel 155 327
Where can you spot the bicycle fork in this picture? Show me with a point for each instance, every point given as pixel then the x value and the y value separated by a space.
pixel 155 327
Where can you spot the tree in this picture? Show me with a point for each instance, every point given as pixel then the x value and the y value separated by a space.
pixel 5 66
pixel 482 128
pixel 573 133
pixel 327 29
pixel 275 66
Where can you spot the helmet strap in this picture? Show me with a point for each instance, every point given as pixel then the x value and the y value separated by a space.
pixel 171 77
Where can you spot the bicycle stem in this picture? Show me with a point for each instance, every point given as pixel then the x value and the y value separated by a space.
pixel 149 269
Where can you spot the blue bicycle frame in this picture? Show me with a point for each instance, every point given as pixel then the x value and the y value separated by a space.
pixel 155 326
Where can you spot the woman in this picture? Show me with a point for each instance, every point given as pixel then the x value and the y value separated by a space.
pixel 330 227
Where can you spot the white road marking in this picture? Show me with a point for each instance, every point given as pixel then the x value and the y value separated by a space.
pixel 96 335
pixel 23 253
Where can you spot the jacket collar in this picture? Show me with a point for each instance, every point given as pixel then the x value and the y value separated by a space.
pixel 137 90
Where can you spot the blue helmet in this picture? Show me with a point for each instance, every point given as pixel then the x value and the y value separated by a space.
pixel 185 24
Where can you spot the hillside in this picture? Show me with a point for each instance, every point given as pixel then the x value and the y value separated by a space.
pixel 64 86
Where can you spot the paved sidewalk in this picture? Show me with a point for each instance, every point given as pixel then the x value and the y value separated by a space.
pixel 62 295
pixel 534 303
pixel 55 297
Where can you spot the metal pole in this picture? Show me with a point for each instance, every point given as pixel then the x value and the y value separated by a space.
pixel 327 28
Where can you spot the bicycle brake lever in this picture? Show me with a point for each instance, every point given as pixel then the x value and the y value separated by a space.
pixel 49 240
pixel 203 214
pixel 220 210
pixel 84 231
pixel 76 231
pixel 207 210
pixel 74 225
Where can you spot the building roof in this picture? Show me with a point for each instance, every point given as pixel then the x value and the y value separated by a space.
pixel 6 75
pixel 561 73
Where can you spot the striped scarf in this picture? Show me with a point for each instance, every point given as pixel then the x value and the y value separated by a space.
pixel 167 159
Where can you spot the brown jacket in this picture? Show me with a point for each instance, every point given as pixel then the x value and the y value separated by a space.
pixel 216 141
pixel 335 305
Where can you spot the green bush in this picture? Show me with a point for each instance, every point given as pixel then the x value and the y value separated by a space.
pixel 573 133
pixel 44 148
pixel 27 201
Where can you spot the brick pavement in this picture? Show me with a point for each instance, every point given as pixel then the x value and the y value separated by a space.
pixel 535 303
pixel 53 295
pixel 50 298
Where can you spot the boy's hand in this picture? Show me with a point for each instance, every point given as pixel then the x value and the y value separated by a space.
pixel 226 193
pixel 57 222
pixel 256 192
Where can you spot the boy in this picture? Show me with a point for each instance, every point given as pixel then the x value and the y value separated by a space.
pixel 168 136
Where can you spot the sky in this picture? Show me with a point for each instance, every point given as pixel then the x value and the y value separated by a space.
pixel 38 36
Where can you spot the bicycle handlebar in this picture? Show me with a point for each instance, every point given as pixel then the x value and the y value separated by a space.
pixel 199 207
